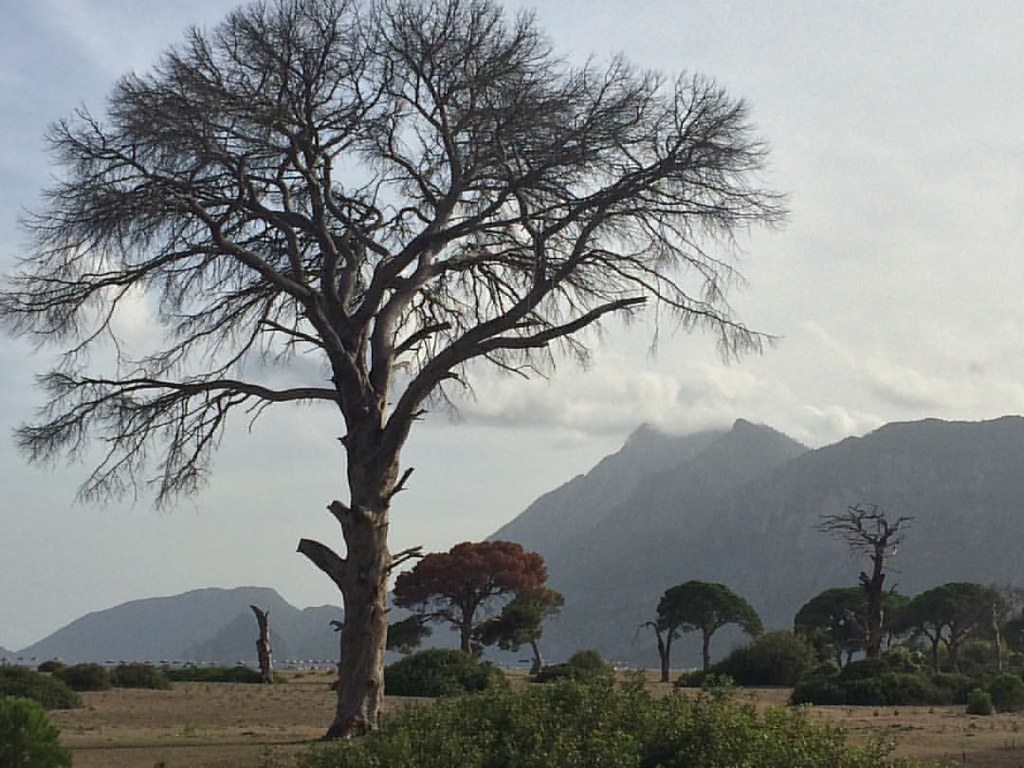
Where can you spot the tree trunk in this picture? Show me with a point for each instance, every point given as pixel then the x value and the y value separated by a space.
pixel 466 637
pixel 263 645
pixel 873 587
pixel 706 648
pixel 360 669
pixel 538 661
pixel 665 653
pixel 997 638
pixel 362 578
pixel 935 653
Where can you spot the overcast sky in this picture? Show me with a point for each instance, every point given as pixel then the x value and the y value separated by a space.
pixel 896 130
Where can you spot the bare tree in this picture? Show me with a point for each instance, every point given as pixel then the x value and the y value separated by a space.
pixel 263 644
pixel 867 530
pixel 392 188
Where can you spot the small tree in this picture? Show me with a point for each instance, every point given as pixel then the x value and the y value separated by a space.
pixel 453 586
pixel 866 529
pixel 704 606
pixel 27 737
pixel 522 623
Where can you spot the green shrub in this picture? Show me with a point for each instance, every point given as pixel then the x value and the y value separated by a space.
pixel 238 674
pixel 137 675
pixel 48 691
pixel 1007 692
pixel 27 737
pixel 979 703
pixel 51 666
pixel 439 672
pixel 85 677
pixel 871 683
pixel 954 688
pixel 774 658
pixel 583 666
pixel 571 725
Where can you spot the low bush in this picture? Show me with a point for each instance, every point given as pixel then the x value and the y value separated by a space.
pixel 50 692
pixel 774 658
pixel 439 672
pixel 85 677
pixel 583 666
pixel 27 737
pixel 51 665
pixel 871 682
pixel 238 674
pixel 137 675
pixel 568 724
pixel 979 703
pixel 1007 692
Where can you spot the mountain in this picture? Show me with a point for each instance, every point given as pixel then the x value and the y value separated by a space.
pixel 202 625
pixel 558 517
pixel 743 510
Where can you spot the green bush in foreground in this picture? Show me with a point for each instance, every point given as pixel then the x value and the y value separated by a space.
pixel 138 675
pixel 84 677
pixel 27 738
pixel 572 725
pixel 50 692
pixel 239 674
pixel 439 672
pixel 979 703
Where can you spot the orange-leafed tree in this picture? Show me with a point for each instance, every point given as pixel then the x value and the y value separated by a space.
pixel 455 586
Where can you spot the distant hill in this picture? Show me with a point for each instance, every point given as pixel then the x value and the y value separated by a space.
pixel 743 508
pixel 212 624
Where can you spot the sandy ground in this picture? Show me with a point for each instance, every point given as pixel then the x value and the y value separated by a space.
pixel 205 725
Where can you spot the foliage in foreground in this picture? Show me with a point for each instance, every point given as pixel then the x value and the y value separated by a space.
pixel 27 737
pixel 439 672
pixel 50 692
pixel 573 725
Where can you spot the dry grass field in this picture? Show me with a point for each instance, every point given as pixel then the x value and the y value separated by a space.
pixel 222 725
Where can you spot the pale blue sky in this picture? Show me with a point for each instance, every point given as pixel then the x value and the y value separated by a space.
pixel 896 129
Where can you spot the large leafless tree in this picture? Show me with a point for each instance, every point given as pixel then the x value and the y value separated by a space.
pixel 394 188
pixel 868 530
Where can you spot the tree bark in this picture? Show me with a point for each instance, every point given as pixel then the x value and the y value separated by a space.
pixel 362 577
pixel 873 586
pixel 263 645
pixel 706 648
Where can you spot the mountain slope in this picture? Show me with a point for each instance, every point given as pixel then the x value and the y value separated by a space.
pixel 744 512
pixel 561 515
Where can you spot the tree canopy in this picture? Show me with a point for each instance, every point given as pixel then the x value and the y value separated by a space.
pixel 453 586
pixel 952 612
pixel 521 622
pixel 387 190
pixel 705 607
